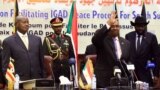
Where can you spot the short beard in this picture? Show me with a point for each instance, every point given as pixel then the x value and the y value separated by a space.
pixel 141 33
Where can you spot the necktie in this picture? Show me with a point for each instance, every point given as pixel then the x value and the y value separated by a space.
pixel 117 48
pixel 59 39
pixel 138 42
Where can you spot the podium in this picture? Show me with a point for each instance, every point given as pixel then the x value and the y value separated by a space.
pixel 119 82
pixel 60 87
pixel 44 88
pixel 30 84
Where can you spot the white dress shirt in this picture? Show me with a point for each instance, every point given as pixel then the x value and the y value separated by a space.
pixel 24 38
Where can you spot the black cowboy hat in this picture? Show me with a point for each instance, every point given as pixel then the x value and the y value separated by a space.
pixel 140 20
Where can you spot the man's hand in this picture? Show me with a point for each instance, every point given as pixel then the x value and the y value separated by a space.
pixel 48 58
pixel 112 20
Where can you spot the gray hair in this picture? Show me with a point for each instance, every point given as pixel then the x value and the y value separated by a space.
pixel 19 18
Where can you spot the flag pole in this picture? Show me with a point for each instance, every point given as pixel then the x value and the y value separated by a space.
pixel 16 13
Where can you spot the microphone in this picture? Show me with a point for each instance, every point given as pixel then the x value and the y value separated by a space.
pixel 151 66
pixel 131 68
pixel 72 63
pixel 117 72
pixel 122 63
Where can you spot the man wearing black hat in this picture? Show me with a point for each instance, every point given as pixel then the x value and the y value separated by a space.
pixel 144 49
pixel 58 49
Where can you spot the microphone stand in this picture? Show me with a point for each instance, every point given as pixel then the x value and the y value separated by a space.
pixel 72 76
pixel 74 80
pixel 73 72
pixel 117 75
pixel 123 69
pixel 119 83
pixel 132 79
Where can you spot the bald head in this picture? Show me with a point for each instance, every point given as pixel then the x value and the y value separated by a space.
pixel 19 18
pixel 22 24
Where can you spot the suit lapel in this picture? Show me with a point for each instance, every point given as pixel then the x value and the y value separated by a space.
pixel 133 39
pixel 29 42
pixel 19 41
pixel 143 42
pixel 111 44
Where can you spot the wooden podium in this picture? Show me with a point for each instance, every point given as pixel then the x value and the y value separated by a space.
pixel 30 84
pixel 60 87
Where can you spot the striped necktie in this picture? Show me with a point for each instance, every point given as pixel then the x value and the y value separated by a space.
pixel 117 48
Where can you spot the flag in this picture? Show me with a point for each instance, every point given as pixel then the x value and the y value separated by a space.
pixel 10 74
pixel 16 13
pixel 73 30
pixel 11 70
pixel 143 13
pixel 115 8
pixel 86 75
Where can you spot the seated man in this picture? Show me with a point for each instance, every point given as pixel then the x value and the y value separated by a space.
pixel 90 50
pixel 91 53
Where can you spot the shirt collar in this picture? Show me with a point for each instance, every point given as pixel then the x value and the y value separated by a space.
pixel 138 35
pixel 21 35
pixel 115 38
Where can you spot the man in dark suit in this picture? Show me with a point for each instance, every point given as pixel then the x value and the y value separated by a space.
pixel 91 53
pixel 111 50
pixel 90 50
pixel 144 48
pixel 25 49
pixel 58 50
pixel 2 79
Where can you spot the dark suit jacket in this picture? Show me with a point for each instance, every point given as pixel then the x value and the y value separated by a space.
pixel 106 57
pixel 148 50
pixel 28 63
pixel 90 50
pixel 2 78
pixel 91 53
